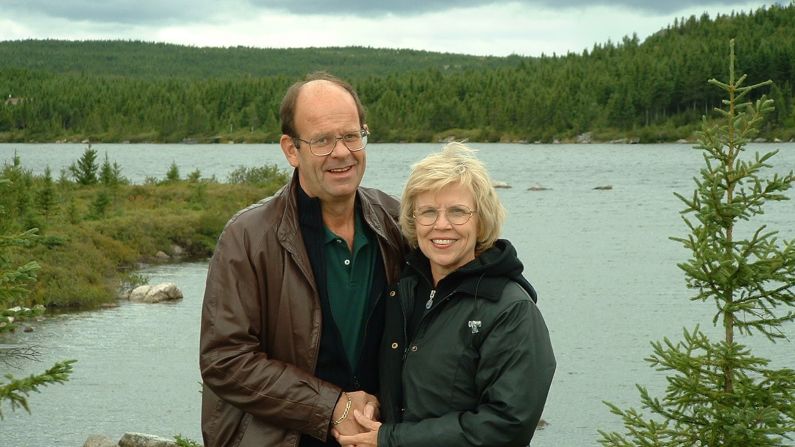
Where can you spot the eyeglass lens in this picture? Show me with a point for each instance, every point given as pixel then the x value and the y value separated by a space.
pixel 456 215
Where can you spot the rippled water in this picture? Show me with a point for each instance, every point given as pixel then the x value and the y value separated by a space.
pixel 601 260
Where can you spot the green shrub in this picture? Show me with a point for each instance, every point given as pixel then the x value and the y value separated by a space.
pixel 263 176
pixel 182 441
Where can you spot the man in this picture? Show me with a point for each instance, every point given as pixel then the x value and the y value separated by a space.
pixel 293 311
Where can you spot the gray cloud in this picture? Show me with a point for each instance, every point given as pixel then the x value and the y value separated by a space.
pixel 413 7
pixel 161 12
pixel 135 12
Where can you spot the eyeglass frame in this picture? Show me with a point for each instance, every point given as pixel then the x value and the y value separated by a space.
pixel 469 211
pixel 363 132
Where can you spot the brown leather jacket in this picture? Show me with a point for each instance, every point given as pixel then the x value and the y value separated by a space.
pixel 261 325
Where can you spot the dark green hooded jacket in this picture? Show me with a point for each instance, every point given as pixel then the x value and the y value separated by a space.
pixel 479 368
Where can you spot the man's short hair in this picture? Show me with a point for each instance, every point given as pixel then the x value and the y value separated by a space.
pixel 287 109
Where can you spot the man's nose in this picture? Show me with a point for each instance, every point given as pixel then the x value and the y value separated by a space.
pixel 339 149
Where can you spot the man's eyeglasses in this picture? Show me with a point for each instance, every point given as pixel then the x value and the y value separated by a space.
pixel 456 215
pixel 325 144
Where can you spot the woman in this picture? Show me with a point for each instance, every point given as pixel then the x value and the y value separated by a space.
pixel 466 357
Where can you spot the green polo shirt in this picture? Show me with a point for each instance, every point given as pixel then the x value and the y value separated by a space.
pixel 349 277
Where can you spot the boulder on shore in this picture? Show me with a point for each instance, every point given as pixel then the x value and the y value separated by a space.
pixel 99 441
pixel 584 138
pixel 144 440
pixel 157 293
pixel 130 440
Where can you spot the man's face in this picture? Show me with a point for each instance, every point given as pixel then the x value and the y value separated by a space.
pixel 325 109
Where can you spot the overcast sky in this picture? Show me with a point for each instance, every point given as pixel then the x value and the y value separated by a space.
pixel 482 27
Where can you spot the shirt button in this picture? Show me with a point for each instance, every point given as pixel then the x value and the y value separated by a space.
pixel 347 262
pixel 414 348
pixel 391 293
pixel 339 241
pixel 394 345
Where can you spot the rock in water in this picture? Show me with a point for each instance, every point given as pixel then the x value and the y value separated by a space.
pixel 155 294
pixel 144 440
pixel 99 441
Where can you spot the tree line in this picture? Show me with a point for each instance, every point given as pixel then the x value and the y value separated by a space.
pixel 649 91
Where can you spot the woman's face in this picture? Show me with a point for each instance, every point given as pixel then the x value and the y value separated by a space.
pixel 447 245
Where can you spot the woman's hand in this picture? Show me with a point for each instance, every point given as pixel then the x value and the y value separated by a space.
pixel 365 439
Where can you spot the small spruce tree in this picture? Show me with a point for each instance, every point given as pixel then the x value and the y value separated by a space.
pixel 85 170
pixel 16 193
pixel 15 281
pixel 719 393
pixel 110 174
pixel 99 207
pixel 194 176
pixel 63 179
pixel 172 176
pixel 45 197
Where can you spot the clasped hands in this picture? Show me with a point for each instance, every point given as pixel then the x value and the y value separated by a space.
pixel 359 427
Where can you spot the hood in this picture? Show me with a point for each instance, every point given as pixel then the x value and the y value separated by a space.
pixel 484 277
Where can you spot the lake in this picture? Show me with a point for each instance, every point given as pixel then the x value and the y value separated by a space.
pixel 601 260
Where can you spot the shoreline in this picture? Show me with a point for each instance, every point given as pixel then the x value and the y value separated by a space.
pixel 577 141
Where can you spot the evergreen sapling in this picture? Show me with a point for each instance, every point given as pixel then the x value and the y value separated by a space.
pixel 718 393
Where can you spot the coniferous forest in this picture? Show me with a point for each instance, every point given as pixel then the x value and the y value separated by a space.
pixel 647 91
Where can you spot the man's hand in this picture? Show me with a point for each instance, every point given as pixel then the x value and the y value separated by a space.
pixel 363 403
pixel 369 438
pixel 367 404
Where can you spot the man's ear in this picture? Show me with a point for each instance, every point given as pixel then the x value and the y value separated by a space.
pixel 289 149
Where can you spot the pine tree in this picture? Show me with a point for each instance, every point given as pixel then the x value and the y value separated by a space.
pixel 16 390
pixel 106 173
pixel 85 170
pixel 100 204
pixel 172 176
pixel 15 281
pixel 718 392
pixel 45 198
pixel 16 194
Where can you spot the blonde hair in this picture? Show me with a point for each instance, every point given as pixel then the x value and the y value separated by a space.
pixel 456 163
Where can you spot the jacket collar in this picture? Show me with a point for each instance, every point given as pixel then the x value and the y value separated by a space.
pixel 289 225
pixel 471 279
pixel 288 231
pixel 484 277
pixel 374 211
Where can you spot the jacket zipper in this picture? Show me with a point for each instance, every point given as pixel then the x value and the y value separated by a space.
pixel 401 291
pixel 428 306
pixel 429 303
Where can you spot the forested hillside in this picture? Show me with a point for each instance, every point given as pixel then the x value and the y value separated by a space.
pixel 647 91
pixel 133 59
